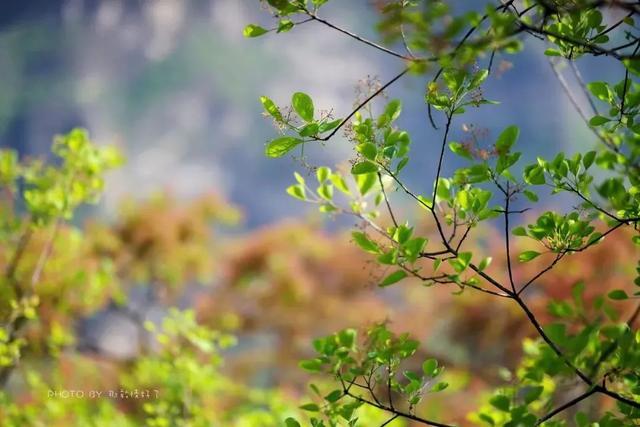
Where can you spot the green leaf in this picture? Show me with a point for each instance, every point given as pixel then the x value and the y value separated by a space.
pixel 479 78
pixel 366 182
pixel 484 263
pixel 290 422
pixel 347 337
pixel 323 173
pixel 519 231
pixel 533 197
pixel 633 65
pixel 600 90
pixel 598 120
pixel 560 309
pixel 500 402
pixel 594 238
pixel 463 199
pixel 440 386
pixel 393 109
pixel 461 263
pixel 394 277
pixel 430 367
pixel 253 30
pixel 334 396
pixel 310 129
pixel 326 192
pixel 618 295
pixel 414 246
pixel 460 150
pixel 285 25
pixel 527 256
pixel 297 191
pixel 271 108
pixel 402 234
pixel 339 183
pixel 425 203
pixel 533 394
pixel 311 365
pixel 365 243
pixel 363 167
pixel 303 105
pixel 556 331
pixel 444 189
pixel 9 167
pixel 368 150
pixel 465 257
pixel 454 78
pixel 281 146
pixel 486 418
pixel 279 4
pixel 588 159
pixel 310 407
pixel 327 126
pixel 534 175
pixel 507 138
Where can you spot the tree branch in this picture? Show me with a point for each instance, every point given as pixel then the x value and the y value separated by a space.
pixel 391 410
pixel 362 104
pixel 506 238
pixel 566 406
pixel 384 194
pixel 316 18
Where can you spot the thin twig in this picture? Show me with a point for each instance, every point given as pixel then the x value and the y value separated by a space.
pixel 45 254
pixel 558 257
pixel 574 102
pixel 316 18
pixel 403 35
pixel 384 194
pixel 583 86
pixel 25 237
pixel 362 104
pixel 441 157
pixel 507 239
pixel 393 411
pixel 565 406
pixel 390 420
pixel 469 33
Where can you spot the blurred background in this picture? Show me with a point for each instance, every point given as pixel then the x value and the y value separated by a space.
pixel 176 86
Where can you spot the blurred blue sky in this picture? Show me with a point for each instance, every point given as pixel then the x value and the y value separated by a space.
pixel 176 85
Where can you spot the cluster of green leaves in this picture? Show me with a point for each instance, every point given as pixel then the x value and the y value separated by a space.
pixel 611 350
pixel 45 288
pixel 604 183
pixel 304 124
pixel 184 370
pixel 283 9
pixel 576 25
pixel 558 233
pixel 431 29
pixel 50 193
pixel 379 143
pixel 613 96
pixel 179 383
pixel 462 90
pixel 54 192
pixel 367 368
